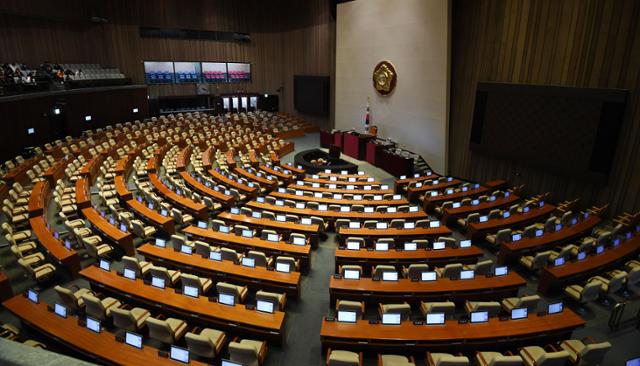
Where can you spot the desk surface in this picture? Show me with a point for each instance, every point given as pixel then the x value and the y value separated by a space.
pixel 413 192
pixel 434 200
pixel 263 181
pixel 417 179
pixel 338 182
pixel 408 255
pixel 256 276
pixel 332 215
pixel 451 212
pixel 198 208
pixel 277 173
pixel 334 201
pixel 201 306
pixel 232 183
pixel 288 226
pixel 452 333
pixel 199 186
pixel 66 330
pixel 54 246
pixel 38 198
pixel 514 249
pixel 373 190
pixel 517 219
pixel 125 240
pixel 392 232
pixel 165 223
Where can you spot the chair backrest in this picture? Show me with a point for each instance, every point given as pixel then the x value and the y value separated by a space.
pixel 492 307
pixel 132 264
pixel 403 309
pixel 243 353
pixel 377 270
pixel 553 358
pixel 259 257
pixel 123 319
pixel 159 330
pixel 202 248
pixel 484 267
pixel 414 270
pixel 502 360
pixel 67 297
pixel 94 307
pixel 446 307
pixel 590 291
pixel 344 305
pixel 200 345
pixel 452 270
pixel 191 280
pixel 503 236
pixel 530 302
pixel 593 353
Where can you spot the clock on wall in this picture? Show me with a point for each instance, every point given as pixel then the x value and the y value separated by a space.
pixel 384 78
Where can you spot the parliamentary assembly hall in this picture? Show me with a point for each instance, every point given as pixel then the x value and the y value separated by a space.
pixel 320 182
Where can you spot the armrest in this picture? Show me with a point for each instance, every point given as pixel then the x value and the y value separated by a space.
pixel 552 348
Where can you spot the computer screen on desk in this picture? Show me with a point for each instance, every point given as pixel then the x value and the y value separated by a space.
pixel 410 225
pixel 539 232
pixel 428 276
pixel 519 313
pixel 455 205
pixel 248 262
pixel 264 306
pixel 186 249
pixel 179 354
pixel 227 299
pixel 391 319
pixel 381 225
pixel 389 276
pixel 345 208
pixel 633 362
pixel 337 196
pixel 516 237
pixel 435 318
pixel 202 224
pixel 465 243
pixel 354 224
pixel 368 209
pixel 93 324
pixel 351 274
pixel 300 205
pixel 410 246
pixel 600 249
pixel 382 246
pixel 273 237
pixel 105 265
pixel 558 262
pixel 392 209
pixel 299 241
pixel 129 273
pixel 235 210
pixel 281 218
pixel 501 271
pixel 133 339
pixel 190 291
pixel 157 282
pixel 322 207
pixel 582 256
pixel 467 274
pixel 283 267
pixel 555 308
pixel 247 233
pixel 413 208
pixel 483 219
pixel 305 221
pixel 123 228
pixel 60 310
pixel 479 317
pixel 434 224
pixel 353 245
pixel 438 245
pixel 216 255
pixel 256 215
pixel 347 316
pixel 506 214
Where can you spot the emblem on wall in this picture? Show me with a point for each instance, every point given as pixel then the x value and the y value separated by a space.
pixel 384 78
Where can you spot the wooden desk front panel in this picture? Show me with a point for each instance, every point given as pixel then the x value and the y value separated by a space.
pixel 233 318
pixel 122 239
pixel 430 202
pixel 443 289
pixel 256 278
pixel 452 213
pixel 373 190
pixel 101 346
pixel 198 209
pixel 55 247
pixel 333 201
pixel 164 223
pixel 482 228
pixel 413 193
pixel 374 234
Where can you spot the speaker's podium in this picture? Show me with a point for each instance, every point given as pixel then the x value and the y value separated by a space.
pixel 354 144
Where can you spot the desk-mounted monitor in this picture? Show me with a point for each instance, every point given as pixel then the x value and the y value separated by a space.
pixel 435 319
pixel 391 318
pixel 410 246
pixel 519 313
pixel 479 317
pixel 190 291
pixel 351 274
pixel 133 339
pixel 283 267
pixel 347 316
pixel 501 271
pixel 179 354
pixel 555 308
pixel 105 265
pixel 227 299
pixel 383 247
pixel 157 282
pixel 465 243
pixel 428 276
pixel 264 306
pixel 389 276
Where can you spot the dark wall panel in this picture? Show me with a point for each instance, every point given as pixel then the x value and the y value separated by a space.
pixel 577 43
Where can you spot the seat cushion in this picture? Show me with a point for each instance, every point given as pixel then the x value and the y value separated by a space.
pixel 395 360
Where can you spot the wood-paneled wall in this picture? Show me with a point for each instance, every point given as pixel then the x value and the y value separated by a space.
pixel 287 37
pixel 579 43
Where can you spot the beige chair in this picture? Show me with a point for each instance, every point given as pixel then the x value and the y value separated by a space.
pixel 260 259
pixel 132 320
pixel 208 343
pixel 40 273
pixel 166 331
pixel 201 248
pixel 202 284
pixel 279 300
pixel 446 307
pixel 343 358
pixel 17 236
pixel 537 356
pixel 248 352
pixel 404 309
pixel 585 353
pixel 99 309
pixel 492 307
pixel 451 270
pixel 445 359
pixel 23 247
pixel 414 271
pixel 346 305
pixel 379 269
pixel 294 264
pixel 396 360
pixel 497 359
pixel 170 277
pixel 536 262
pixel 141 268
pixel 142 231
pixel 530 302
pixel 72 299
pixel 584 294
pixel 228 254
pixel 96 250
pixel 482 268
pixel 240 292
pixel 502 236
pixel 613 282
pixel 32 260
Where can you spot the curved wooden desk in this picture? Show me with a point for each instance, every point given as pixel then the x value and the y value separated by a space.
pixel 413 193
pixel 101 346
pixel 514 250
pixel 478 230
pixel 198 209
pixel 311 231
pixel 334 201
pixel 401 183
pixel 429 202
pixel 333 215
pixel 231 318
pixel 249 191
pixel 373 190
pixel 369 258
pixel 370 235
pixel 257 278
pixel 450 214
pixel 164 223
pixel 207 191
pixel 241 243
pixel 339 182
pixel 263 181
pixel 443 289
pixel 552 278
pixel 53 246
pixel 122 239
pixel 451 337
pixel 277 173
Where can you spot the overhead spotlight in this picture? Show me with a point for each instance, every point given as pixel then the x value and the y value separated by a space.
pixel 135 110
pixel 87 118
pixel 56 111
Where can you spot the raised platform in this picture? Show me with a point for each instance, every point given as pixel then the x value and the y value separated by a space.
pixel 337 165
